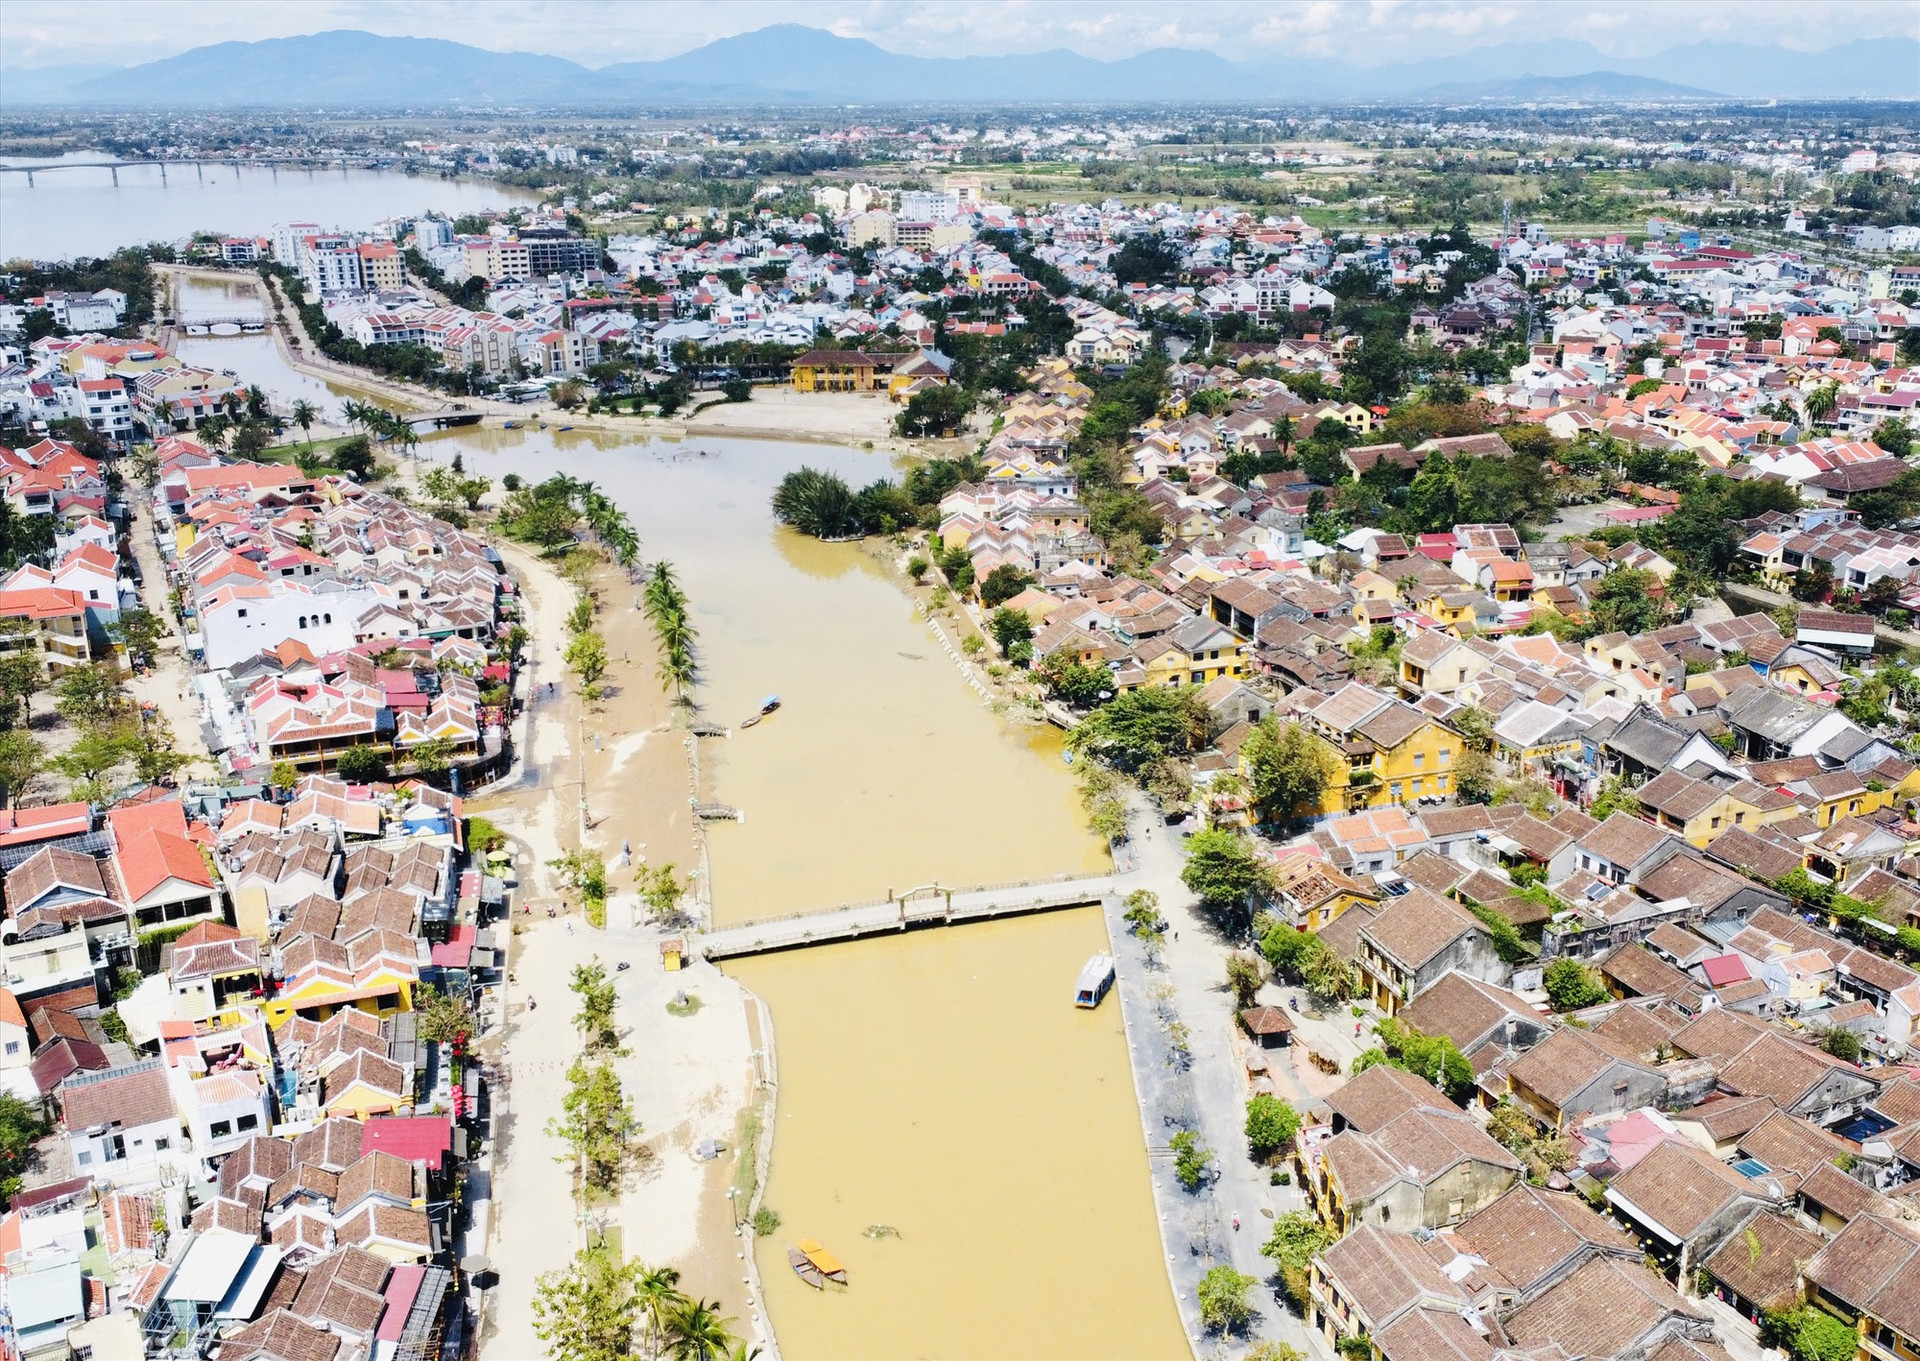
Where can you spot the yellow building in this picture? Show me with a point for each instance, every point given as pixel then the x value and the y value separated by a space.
pixel 1194 652
pixel 1387 751
pixel 838 371
pixel 1700 810
pixel 1310 893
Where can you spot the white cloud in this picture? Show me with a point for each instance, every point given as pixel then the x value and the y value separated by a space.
pixel 596 32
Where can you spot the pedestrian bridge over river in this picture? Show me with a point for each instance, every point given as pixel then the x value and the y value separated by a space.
pixel 927 906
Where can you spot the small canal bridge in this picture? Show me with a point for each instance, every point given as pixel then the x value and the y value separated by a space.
pixel 926 906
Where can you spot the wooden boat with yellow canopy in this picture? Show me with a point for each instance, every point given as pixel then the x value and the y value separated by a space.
pixel 823 1261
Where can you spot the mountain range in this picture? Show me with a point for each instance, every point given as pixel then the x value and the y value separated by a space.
pixel 793 64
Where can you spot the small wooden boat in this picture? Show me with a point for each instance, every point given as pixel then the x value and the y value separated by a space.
pixel 1095 979
pixel 510 425
pixel 767 706
pixel 822 1261
pixel 805 1269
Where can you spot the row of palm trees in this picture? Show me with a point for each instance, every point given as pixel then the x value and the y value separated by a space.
pixel 666 607
pixel 609 524
pixel 380 423
pixel 684 1327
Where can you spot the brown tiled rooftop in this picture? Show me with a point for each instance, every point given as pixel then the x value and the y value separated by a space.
pixel 1762 1262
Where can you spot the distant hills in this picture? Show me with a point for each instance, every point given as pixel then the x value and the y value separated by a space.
pixel 793 64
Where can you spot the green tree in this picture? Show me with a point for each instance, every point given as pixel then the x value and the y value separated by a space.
pixel 305 413
pixel 1297 1237
pixel 1142 726
pixel 937 410
pixel 361 765
pixel 1624 601
pixel 1189 1158
pixel 1615 796
pixel 21 759
pixel 441 1016
pixel 595 989
pixel 1288 769
pixel 22 676
pixel 591 1310
pixel 696 1330
pixel 1002 584
pixel 586 657
pixel 1271 1125
pixel 818 503
pixel 88 762
pixel 1244 977
pixel 596 1123
pixel 138 631
pixel 21 1126
pixel 1809 1333
pixel 1572 985
pixel 1224 1306
pixel 1842 1044
pixel 1433 1057
pixel 90 696
pixel 660 1298
pixel 149 743
pixel 1071 681
pixel 1010 628
pixel 584 870
pixel 1222 869
pixel 660 890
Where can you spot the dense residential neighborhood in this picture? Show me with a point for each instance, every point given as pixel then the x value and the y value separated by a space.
pixel 1496 644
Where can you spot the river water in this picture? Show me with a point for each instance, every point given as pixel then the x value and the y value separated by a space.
pixel 941 1083
pixel 253 358
pixel 77 209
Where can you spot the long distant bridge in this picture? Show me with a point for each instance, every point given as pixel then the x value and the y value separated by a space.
pixel 199 167
pixel 927 906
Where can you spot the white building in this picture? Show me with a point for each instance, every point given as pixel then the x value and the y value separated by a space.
pixel 121 1125
pixel 331 265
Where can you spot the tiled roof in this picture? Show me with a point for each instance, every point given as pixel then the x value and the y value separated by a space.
pixel 1680 1189
pixel 1762 1262
pixel 1380 1094
pixel 1874 1265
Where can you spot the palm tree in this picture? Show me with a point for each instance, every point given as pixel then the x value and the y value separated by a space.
pixel 357 413
pixel 305 413
pixel 663 595
pixel 697 1331
pixel 657 1290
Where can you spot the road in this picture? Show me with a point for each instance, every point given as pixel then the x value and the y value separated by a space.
pixel 1198 1227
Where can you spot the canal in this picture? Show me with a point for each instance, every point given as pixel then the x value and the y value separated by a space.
pixel 941 1084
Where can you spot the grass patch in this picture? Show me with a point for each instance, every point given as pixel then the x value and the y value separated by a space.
pixel 687 1007
pixel 746 1149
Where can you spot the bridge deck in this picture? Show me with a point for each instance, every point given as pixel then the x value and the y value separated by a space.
pixel 882 918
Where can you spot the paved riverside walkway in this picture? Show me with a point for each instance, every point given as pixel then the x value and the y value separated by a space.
pixel 1205 1093
pixel 919 908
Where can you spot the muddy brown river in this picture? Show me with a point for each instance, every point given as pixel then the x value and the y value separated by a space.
pixel 942 1083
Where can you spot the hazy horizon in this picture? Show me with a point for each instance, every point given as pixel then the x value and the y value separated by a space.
pixel 598 33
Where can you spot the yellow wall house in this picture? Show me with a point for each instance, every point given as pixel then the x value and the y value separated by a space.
pixel 375 974
pixel 1389 752
pixel 1311 893
pixel 837 371
pixel 1194 652
pixel 1700 810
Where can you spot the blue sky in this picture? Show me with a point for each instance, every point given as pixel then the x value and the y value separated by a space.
pixel 597 32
